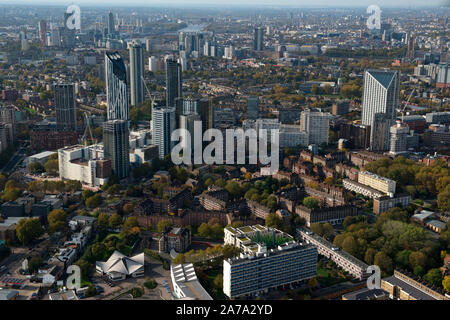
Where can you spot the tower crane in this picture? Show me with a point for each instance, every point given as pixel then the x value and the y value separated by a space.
pixel 86 130
pixel 407 103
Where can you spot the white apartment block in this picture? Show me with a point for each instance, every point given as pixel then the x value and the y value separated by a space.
pixel 377 182
pixel 346 261
pixel 361 189
pixel 80 163
pixel 270 259
pixel 317 124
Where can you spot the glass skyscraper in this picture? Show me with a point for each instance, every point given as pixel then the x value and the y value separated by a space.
pixel 380 100
pixel 116 87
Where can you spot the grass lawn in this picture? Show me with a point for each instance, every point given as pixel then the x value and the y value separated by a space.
pixel 322 272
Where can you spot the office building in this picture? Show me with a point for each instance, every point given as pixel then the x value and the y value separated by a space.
pixel 116 146
pixel 118 107
pixel 443 76
pixel 8 126
pixel 258 39
pixel 292 136
pixel 207 113
pixel 380 100
pixel 163 124
pixel 173 81
pixel 136 72
pixel 316 124
pixel 85 164
pixel 358 136
pixel 438 117
pixel 65 106
pixel 110 26
pixel 43 31
pixel 229 52
pixel 252 107
pixel 340 108
pixel 269 259
pixel 153 64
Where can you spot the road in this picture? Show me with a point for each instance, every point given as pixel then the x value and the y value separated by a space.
pixel 17 158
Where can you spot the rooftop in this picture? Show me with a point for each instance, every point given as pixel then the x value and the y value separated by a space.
pixel 186 279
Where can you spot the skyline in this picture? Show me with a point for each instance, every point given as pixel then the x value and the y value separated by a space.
pixel 261 3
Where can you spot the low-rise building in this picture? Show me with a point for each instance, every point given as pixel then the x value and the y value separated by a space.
pixel 177 238
pixel 405 286
pixel 119 266
pixel 346 261
pixel 185 283
pixel 333 215
pixel 387 186
pixel 383 204
pixel 361 189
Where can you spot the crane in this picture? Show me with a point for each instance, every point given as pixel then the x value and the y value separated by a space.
pixel 407 103
pixel 88 128
pixel 152 99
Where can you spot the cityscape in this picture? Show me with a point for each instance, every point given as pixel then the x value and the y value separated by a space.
pixel 240 153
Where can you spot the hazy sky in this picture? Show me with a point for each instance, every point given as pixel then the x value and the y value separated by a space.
pixel 306 3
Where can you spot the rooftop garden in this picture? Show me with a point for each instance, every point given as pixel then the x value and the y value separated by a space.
pixel 269 240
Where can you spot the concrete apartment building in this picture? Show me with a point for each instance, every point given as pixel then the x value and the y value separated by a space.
pixel 377 182
pixel 333 215
pixel 361 189
pixel 269 259
pixel 346 261
pixel 405 286
pixel 383 204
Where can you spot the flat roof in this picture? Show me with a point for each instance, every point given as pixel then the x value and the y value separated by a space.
pixel 186 279
pixel 409 289
pixel 340 252
pixel 43 154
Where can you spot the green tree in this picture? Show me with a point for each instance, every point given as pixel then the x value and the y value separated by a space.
pixel 419 271
pixel 94 201
pixel 434 276
pixel 34 264
pixel 384 262
pixel 103 220
pixel 417 258
pixel 218 282
pixel 51 167
pixel 115 220
pixel 274 221
pixel 311 203
pixel 130 223
pixel 350 245
pixel 163 224
pixel 28 229
pixel 36 167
